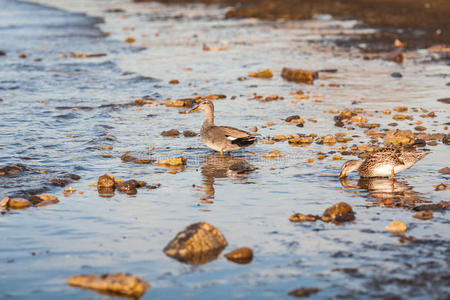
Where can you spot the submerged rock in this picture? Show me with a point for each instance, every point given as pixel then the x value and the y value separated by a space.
pixel 176 161
pixel 128 187
pixel 424 215
pixel 172 132
pixel 443 205
pixel 299 217
pixel 106 181
pixel 14 203
pixel 396 227
pixel 262 74
pixel 341 212
pixel 47 200
pixel 115 285
pixel 303 292
pixel 12 169
pixel 299 75
pixel 241 256
pixel 199 243
pixel 189 133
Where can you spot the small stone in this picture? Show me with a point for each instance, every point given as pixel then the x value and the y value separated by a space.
pixel 115 285
pixel 299 217
pixel 420 128
pixel 441 187
pixel 176 161
pixel 189 133
pixel 130 40
pixel 241 256
pixel 128 187
pixel 396 227
pixel 446 139
pixel 172 132
pixel 262 74
pixel 445 170
pixel 254 129
pixel 444 100
pixel 341 212
pixel 443 205
pixel 303 292
pixel 47 200
pixel 299 75
pixel 424 215
pixel 174 81
pixel 106 181
pixel 291 118
pixel 400 108
pixel 17 203
pixel 199 243
pixel 396 75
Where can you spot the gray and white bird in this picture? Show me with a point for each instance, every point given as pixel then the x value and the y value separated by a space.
pixel 384 162
pixel 222 138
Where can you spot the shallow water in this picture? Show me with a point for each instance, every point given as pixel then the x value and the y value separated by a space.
pixel 60 115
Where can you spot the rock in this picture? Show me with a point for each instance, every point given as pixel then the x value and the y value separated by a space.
pixel 174 81
pixel 273 154
pixel 396 75
pixel 2 53
pixel 443 205
pixel 115 285
pixel 14 203
pixel 441 187
pixel 189 133
pixel 47 199
pixel 254 129
pixel 172 132
pixel 59 182
pixel 301 140
pixel 445 170
pixel 199 243
pixel 241 167
pixel 424 215
pixel 446 139
pixel 241 256
pixel 299 217
pixel 130 40
pixel 86 55
pixel 188 102
pixel 396 227
pixel 106 181
pixel 128 187
pixel 262 74
pixel 420 128
pixel 341 212
pixel 176 161
pixel 299 75
pixel 444 100
pixel 12 169
pixel 303 292
pixel 291 118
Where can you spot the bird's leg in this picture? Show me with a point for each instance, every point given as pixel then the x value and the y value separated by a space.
pixel 392 174
pixel 221 153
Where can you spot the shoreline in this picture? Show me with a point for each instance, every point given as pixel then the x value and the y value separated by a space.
pixel 417 24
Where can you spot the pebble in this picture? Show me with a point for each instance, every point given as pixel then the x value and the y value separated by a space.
pixel 396 227
pixel 341 212
pixel 424 215
pixel 445 170
pixel 299 217
pixel 115 285
pixel 303 292
pixel 262 74
pixel 172 132
pixel 396 75
pixel 189 133
pixel 106 181
pixel 175 161
pixel 241 256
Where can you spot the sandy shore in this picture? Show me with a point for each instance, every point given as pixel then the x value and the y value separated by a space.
pixel 419 23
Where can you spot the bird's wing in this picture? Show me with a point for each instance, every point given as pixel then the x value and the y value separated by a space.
pixel 232 133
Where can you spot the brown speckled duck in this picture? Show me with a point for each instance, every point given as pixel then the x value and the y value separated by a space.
pixel 222 138
pixel 384 162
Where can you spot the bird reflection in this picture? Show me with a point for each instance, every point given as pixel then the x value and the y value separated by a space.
pixel 385 192
pixel 216 166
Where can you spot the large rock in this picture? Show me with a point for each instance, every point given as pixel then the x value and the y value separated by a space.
pixel 198 243
pixel 115 285
pixel 338 213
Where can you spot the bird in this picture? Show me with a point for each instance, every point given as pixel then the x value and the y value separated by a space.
pixel 384 162
pixel 222 138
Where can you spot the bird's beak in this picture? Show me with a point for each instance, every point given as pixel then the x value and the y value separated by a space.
pixel 194 109
pixel 342 175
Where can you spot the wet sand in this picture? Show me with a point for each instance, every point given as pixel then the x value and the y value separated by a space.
pixel 420 24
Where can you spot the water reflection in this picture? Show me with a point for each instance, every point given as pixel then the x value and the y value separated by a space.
pixel 384 191
pixel 227 166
